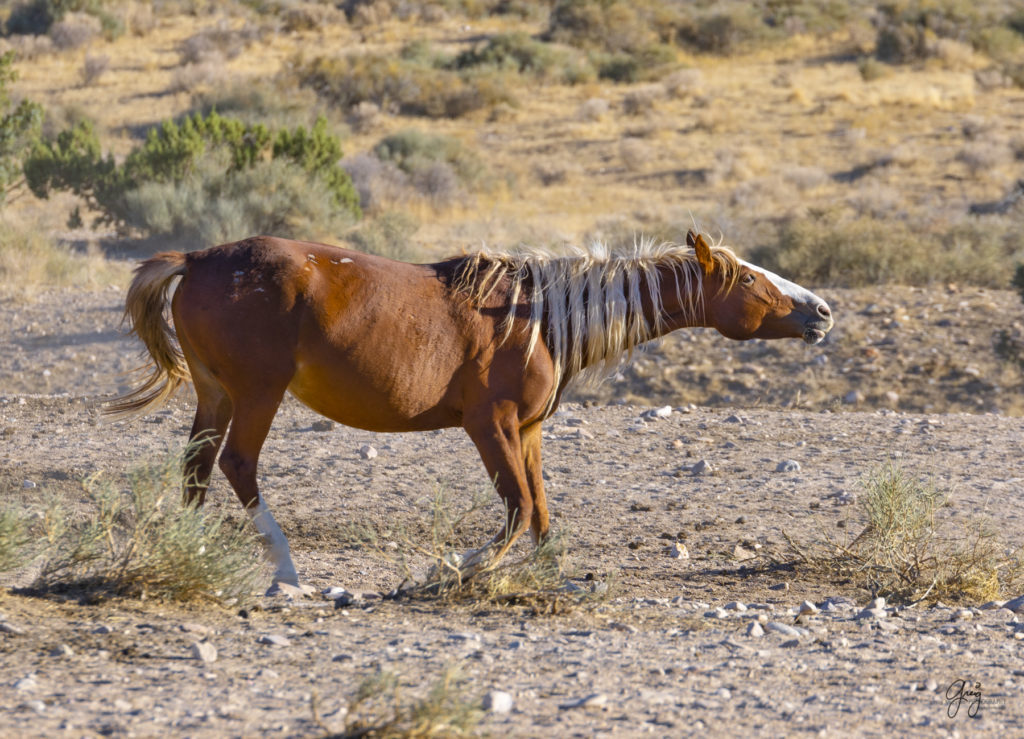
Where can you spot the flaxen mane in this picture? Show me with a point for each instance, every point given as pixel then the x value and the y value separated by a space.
pixel 590 302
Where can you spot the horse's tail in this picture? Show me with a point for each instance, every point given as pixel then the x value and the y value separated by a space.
pixel 144 311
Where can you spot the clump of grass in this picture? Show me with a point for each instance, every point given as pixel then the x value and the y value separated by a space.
pixel 144 542
pixel 14 541
pixel 381 708
pixel 537 580
pixel 29 260
pixel 906 550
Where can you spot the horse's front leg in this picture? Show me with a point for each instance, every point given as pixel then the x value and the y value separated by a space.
pixel 496 433
pixel 529 439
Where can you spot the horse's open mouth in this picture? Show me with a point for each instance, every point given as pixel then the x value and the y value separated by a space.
pixel 813 335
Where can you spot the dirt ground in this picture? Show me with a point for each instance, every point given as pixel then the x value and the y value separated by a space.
pixel 671 649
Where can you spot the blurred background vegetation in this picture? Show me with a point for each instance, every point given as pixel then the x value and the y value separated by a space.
pixel 842 143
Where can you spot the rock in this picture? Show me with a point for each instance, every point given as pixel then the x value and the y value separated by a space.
pixel 62 651
pixel 9 628
pixel 872 613
pixel 742 553
pixel 734 419
pixel 275 640
pixel 735 605
pixel 716 613
pixel 323 425
pixel 28 484
pixel 853 397
pixel 1016 605
pixel 188 627
pixel 678 550
pixel 287 590
pixel 878 603
pixel 703 467
pixel 784 629
pixel 664 412
pixel 993 605
pixel 783 586
pixel 498 701
pixel 26 683
pixel 892 398
pixel 204 651
pixel 963 614
pixel 334 592
pixel 754 629
pixel 808 609
pixel 367 452
pixel 594 700
pixel 790 643
pixel 931 685
pixel 788 465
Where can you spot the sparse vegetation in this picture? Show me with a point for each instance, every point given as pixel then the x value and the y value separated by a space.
pixel 907 551
pixel 29 259
pixel 382 708
pixel 143 542
pixel 157 185
pixel 19 125
pixel 14 540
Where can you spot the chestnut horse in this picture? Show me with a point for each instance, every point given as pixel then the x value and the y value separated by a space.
pixel 487 342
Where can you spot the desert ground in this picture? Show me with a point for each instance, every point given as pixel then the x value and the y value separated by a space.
pixel 889 184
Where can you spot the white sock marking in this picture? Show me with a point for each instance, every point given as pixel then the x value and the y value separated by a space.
pixel 277 543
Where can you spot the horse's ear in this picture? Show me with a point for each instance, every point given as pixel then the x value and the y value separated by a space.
pixel 700 246
pixel 691 237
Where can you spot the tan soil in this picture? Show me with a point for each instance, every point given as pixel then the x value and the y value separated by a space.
pixel 619 486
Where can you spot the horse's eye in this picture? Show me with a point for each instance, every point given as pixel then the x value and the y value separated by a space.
pixel 748 279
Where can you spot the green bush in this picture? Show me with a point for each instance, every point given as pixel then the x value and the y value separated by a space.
pixel 411 150
pixel 19 126
pixel 173 154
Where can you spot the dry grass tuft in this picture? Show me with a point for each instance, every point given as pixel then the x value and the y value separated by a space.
pixel 907 552
pixel 144 542
pixel 381 708
pixel 29 260
pixel 15 538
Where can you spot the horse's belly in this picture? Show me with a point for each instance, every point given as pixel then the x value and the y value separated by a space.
pixel 355 400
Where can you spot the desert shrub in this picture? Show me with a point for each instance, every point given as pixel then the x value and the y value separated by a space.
pixel 144 542
pixel 381 708
pixel 19 126
pixel 849 252
pixel 402 85
pixel 908 552
pixel 213 204
pixel 75 30
pixel 14 540
pixel 93 68
pixel 520 53
pixel 413 151
pixel 377 182
pixel 172 153
pixel 388 235
pixel 37 17
pixel 218 42
pixel 271 102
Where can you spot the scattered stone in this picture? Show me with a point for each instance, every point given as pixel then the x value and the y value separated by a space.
pixel 808 609
pixel 734 419
pixel 872 613
pixel 9 628
pixel 204 651
pixel 1016 605
pixel 287 590
pixel 26 683
pixel 594 700
pixel 742 553
pixel 188 627
pixel 853 397
pixel 784 629
pixel 275 640
pixel 62 651
pixel 36 705
pixel 703 467
pixel 790 643
pixel 678 550
pixel 28 484
pixel 716 613
pixel 878 603
pixel 993 605
pixel 735 605
pixel 755 629
pixel 498 701
pixel 931 685
pixel 323 425
pixel 783 586
pixel 663 412
pixel 963 614
pixel 367 452
pixel 788 465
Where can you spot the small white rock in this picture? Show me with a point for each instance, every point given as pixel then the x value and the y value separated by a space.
pixel 28 484
pixel 678 550
pixel 367 452
pixel 754 629
pixel 204 651
pixel 808 609
pixel 26 683
pixel 62 651
pixel 703 467
pixel 878 603
pixel 664 412
pixel 274 640
pixel 735 605
pixel 594 700
pixel 788 465
pixel 498 701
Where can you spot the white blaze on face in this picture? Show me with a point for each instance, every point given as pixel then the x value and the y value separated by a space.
pixel 799 295
pixel 277 543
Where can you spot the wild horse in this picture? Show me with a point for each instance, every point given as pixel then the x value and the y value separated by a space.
pixel 488 342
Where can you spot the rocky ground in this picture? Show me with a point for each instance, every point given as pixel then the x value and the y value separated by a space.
pixel 713 642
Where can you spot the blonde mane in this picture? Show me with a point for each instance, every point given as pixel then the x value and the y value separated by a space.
pixel 591 300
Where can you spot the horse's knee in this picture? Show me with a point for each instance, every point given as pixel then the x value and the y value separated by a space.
pixel 238 469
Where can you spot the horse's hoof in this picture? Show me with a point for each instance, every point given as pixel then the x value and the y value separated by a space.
pixel 292 591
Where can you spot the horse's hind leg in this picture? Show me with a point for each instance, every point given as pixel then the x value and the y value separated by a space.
pixel 213 413
pixel 253 414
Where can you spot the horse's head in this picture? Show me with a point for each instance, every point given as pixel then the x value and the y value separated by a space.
pixel 759 304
